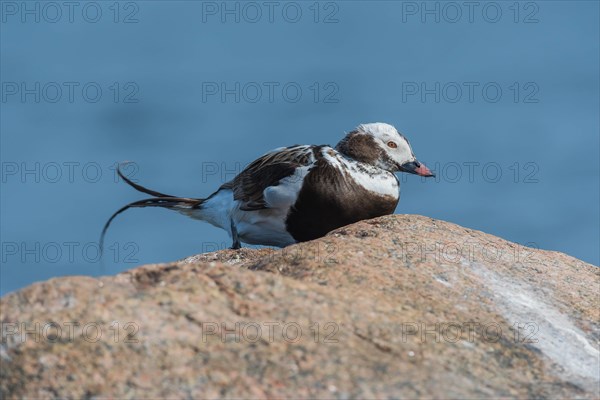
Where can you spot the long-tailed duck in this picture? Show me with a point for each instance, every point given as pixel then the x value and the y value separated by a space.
pixel 299 193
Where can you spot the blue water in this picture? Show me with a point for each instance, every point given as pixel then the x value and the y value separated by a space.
pixel 191 95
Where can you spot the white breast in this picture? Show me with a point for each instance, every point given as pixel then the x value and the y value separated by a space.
pixel 371 178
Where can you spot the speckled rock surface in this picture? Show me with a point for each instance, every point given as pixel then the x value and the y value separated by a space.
pixel 399 306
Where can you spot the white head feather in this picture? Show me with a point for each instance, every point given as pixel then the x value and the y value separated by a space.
pixel 386 137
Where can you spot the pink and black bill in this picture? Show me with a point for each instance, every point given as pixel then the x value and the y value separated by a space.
pixel 415 167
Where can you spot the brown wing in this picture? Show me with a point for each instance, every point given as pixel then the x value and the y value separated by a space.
pixel 268 170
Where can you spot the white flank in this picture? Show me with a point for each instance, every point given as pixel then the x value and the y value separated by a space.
pixel 267 227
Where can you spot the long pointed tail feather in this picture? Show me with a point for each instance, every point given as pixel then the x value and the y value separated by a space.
pixel 140 188
pixel 160 200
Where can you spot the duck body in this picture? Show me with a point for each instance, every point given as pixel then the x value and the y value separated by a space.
pixel 302 192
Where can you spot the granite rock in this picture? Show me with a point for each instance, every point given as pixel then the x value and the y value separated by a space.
pixel 398 306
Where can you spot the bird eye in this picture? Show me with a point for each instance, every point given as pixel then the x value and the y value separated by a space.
pixel 393 145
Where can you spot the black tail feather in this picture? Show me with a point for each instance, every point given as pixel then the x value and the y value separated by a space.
pixel 161 200
pixel 140 188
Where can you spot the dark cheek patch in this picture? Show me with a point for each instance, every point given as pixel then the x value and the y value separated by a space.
pixel 360 147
